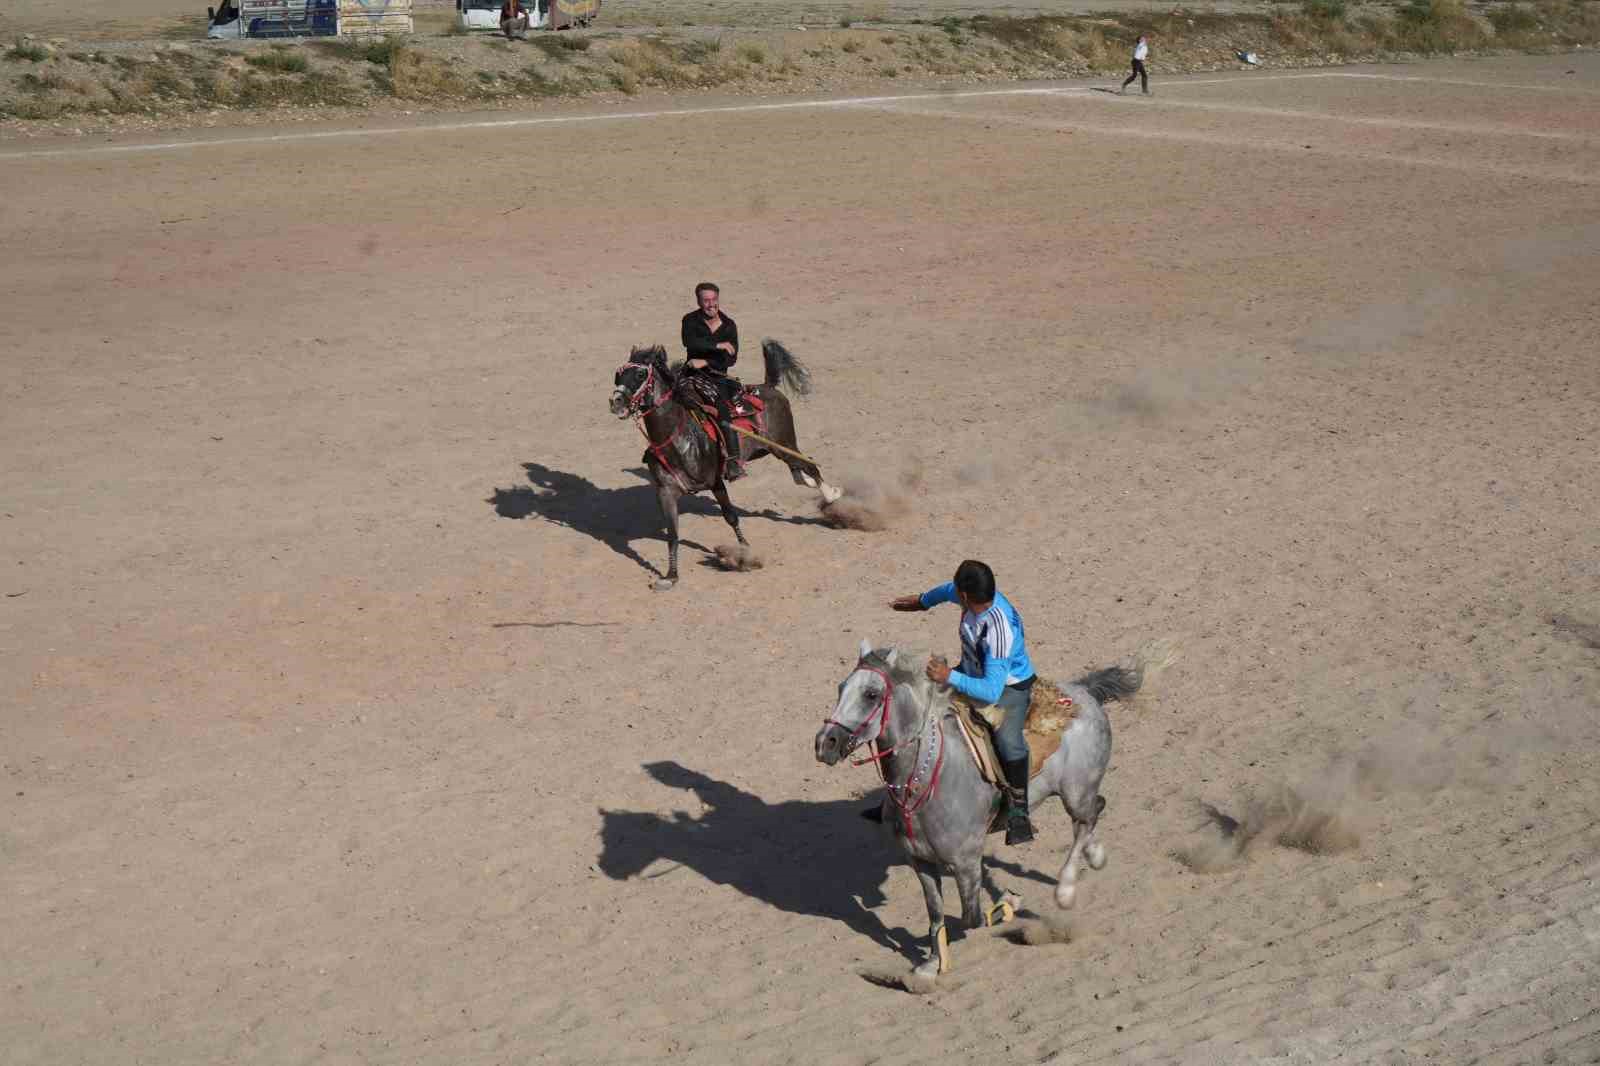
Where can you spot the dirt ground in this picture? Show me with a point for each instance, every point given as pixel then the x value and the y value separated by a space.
pixel 340 724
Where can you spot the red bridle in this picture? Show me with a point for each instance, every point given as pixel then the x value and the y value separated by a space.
pixel 904 796
pixel 636 400
pixel 637 409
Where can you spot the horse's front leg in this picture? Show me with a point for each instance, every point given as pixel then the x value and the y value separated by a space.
pixel 667 496
pixel 969 882
pixel 731 516
pixel 936 953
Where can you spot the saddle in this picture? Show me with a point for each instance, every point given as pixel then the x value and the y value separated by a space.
pixel 1050 711
pixel 748 408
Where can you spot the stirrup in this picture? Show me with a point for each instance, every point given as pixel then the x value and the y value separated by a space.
pixel 1019 831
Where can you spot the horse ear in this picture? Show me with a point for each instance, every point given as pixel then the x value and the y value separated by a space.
pixel 894 653
pixel 866 647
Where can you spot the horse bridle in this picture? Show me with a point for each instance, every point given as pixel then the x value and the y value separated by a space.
pixel 881 713
pixel 929 763
pixel 636 406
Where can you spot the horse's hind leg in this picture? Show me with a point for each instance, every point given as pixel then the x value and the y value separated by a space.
pixel 811 477
pixel 936 953
pixel 1094 851
pixel 720 490
pixel 807 474
pixel 1083 846
pixel 1005 903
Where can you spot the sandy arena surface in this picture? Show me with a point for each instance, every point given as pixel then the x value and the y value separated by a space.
pixel 340 724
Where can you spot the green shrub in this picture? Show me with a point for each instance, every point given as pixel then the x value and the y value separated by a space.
pixel 1324 10
pixel 27 50
pixel 281 60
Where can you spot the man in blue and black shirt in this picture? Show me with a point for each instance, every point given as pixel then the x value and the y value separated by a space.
pixel 995 668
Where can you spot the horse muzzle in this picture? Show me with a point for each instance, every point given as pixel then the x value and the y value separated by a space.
pixel 619 404
pixel 833 744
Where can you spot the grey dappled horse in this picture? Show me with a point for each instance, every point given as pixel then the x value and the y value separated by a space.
pixel 938 803
pixel 683 458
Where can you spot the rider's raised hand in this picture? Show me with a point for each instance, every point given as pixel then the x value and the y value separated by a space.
pixel 907 603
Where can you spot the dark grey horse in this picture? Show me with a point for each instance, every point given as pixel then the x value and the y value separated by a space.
pixel 683 458
pixel 939 805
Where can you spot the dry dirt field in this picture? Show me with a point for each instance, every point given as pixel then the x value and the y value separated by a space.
pixel 339 723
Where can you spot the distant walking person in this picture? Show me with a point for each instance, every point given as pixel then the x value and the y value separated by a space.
pixel 1141 52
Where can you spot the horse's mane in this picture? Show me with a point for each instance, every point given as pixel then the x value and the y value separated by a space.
pixel 907 668
pixel 657 353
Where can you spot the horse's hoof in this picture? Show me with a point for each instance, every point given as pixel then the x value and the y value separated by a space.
pixel 1096 854
pixel 664 585
pixel 831 495
pixel 1000 913
pixel 1065 894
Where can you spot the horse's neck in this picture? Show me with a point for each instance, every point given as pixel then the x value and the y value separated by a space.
pixel 663 419
pixel 908 724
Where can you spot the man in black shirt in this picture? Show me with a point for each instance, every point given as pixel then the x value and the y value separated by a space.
pixel 712 340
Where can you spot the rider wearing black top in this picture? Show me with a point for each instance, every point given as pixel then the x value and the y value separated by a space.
pixel 712 340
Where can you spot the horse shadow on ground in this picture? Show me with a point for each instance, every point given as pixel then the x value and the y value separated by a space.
pixel 614 517
pixel 816 859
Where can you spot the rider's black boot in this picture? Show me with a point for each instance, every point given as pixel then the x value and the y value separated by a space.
pixel 1018 829
pixel 734 468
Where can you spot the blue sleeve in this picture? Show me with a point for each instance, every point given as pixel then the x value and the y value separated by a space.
pixel 945 593
pixel 985 689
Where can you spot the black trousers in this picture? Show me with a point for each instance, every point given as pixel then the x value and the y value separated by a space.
pixel 1138 72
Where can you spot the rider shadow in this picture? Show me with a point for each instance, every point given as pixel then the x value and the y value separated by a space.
pixel 614 517
pixel 801 857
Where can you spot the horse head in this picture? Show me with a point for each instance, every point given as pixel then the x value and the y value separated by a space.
pixel 862 713
pixel 641 383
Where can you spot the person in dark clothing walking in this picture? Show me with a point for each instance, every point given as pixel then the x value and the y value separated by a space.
pixel 712 340
pixel 1141 52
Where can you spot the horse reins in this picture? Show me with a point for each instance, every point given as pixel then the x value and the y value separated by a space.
pixel 905 796
pixel 639 411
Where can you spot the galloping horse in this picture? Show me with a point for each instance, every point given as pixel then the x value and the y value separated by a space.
pixel 683 457
pixel 939 804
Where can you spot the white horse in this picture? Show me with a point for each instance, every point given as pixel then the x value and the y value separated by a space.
pixel 938 803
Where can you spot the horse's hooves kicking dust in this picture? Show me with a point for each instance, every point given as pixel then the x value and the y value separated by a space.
pixel 739 557
pixel 1044 932
pixel 870 506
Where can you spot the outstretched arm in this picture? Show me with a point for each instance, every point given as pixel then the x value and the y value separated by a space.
pixel 985 689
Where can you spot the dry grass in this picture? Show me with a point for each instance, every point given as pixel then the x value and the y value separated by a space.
pixel 280 59
pixel 27 51
pixel 327 72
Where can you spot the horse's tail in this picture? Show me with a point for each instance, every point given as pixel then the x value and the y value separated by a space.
pixel 1112 683
pixel 783 368
pixel 1118 682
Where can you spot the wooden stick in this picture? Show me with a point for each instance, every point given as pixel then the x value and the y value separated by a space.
pixel 775 446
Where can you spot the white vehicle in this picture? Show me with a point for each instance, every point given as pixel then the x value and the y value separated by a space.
pixel 485 14
pixel 542 14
